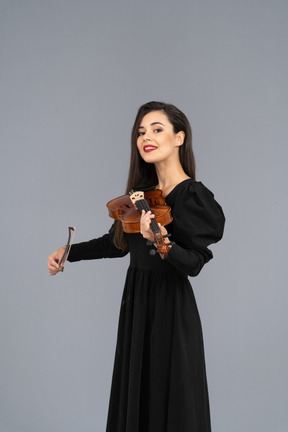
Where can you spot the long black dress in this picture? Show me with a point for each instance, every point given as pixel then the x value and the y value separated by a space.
pixel 159 379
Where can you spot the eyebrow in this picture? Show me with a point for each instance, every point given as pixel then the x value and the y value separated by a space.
pixel 152 124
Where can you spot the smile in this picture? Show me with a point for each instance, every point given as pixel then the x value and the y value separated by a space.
pixel 149 148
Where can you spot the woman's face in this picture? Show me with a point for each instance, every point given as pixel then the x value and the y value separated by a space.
pixel 156 140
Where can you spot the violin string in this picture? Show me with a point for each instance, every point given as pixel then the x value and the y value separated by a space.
pixel 154 224
pixel 144 205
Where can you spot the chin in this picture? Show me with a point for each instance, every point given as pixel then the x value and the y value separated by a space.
pixel 148 158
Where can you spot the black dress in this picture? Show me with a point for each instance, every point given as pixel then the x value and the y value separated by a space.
pixel 159 379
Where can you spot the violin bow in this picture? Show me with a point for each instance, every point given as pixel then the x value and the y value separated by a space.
pixel 71 235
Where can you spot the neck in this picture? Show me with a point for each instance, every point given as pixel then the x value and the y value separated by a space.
pixel 169 175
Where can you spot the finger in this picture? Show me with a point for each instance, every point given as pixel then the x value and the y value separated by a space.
pixel 147 217
pixel 150 214
pixel 53 271
pixel 53 264
pixel 144 214
pixel 163 229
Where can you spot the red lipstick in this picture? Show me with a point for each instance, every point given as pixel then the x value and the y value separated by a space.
pixel 148 148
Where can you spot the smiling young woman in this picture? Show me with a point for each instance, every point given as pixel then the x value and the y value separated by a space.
pixel 159 379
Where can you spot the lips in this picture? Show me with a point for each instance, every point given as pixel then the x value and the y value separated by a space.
pixel 149 148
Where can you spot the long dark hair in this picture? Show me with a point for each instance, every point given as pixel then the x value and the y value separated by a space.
pixel 142 173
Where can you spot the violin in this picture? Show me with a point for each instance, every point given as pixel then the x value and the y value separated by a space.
pixel 128 209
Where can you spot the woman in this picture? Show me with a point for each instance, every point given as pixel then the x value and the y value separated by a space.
pixel 159 379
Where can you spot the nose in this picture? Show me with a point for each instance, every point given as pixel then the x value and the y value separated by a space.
pixel 146 136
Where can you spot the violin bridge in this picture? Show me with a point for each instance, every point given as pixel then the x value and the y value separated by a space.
pixel 136 196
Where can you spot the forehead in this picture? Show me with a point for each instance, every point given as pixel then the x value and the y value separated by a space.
pixel 154 117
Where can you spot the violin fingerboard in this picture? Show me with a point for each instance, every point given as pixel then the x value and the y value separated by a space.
pixel 141 203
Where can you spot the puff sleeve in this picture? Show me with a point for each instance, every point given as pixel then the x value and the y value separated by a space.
pixel 198 222
pixel 102 247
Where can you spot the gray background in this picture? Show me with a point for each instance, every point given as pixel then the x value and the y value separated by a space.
pixel 73 73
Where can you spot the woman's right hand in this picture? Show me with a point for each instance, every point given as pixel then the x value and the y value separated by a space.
pixel 53 261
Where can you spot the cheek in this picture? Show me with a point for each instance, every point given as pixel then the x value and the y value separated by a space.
pixel 139 144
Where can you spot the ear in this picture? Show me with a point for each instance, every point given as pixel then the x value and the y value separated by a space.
pixel 180 137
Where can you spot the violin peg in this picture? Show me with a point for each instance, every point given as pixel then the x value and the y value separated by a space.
pixel 166 235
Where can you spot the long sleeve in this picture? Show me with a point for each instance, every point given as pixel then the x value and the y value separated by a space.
pixel 102 247
pixel 198 222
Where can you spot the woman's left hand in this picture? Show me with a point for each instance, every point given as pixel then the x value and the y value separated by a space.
pixel 145 229
pixel 145 222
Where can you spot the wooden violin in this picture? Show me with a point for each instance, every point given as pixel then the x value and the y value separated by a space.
pixel 128 209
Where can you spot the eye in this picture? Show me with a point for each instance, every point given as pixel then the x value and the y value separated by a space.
pixel 140 133
pixel 157 130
